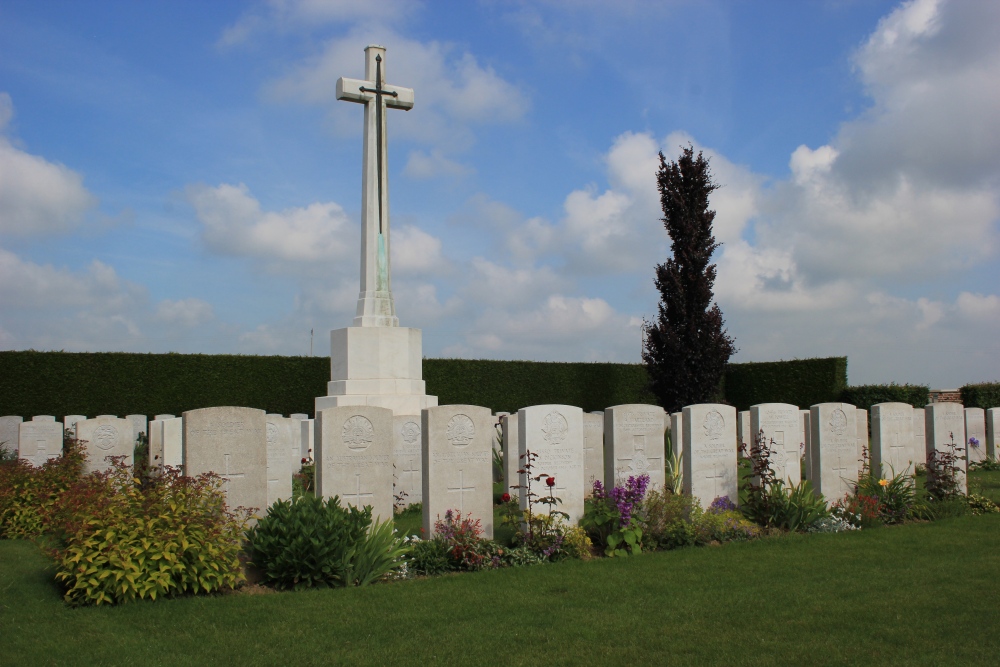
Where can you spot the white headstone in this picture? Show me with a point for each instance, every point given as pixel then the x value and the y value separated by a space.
pixel 308 438
pixel 457 445
pixel 993 433
pixel 162 417
pixel 975 427
pixel 892 439
pixel 279 469
pixel 555 434
pixel 103 437
pixel 231 442
pixel 919 437
pixel 633 444
pixel 406 457
pixel 593 450
pixel 295 453
pixel 173 442
pixel 139 425
pixel 710 452
pixel 676 432
pixel 354 457
pixel 40 439
pixel 944 425
pixel 10 426
pixel 804 423
pixel 155 443
pixel 863 443
pixel 70 421
pixel 780 423
pixel 743 428
pixel 511 453
pixel 834 440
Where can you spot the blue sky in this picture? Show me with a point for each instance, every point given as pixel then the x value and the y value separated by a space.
pixel 178 176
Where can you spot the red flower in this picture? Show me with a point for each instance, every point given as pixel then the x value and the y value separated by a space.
pixel 551 481
pixel 505 498
pixel 303 460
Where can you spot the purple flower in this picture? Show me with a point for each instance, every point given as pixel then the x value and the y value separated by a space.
pixel 974 441
pixel 720 505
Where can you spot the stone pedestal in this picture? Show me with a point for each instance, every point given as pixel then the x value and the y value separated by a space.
pixel 379 367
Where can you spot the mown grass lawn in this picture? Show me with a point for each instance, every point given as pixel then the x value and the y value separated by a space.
pixel 920 594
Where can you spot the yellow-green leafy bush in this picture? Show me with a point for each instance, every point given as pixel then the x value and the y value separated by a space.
pixel 117 540
pixel 28 494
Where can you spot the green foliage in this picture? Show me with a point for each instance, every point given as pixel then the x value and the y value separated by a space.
pixel 985 395
pixel 117 383
pixel 28 494
pixel 788 508
pixel 981 505
pixel 375 556
pixel 428 557
pixel 686 348
pixel 943 472
pixel 313 541
pixel 948 508
pixel 801 382
pixel 895 495
pixel 509 385
pixel 725 526
pixel 865 396
pixel 118 541
pixel 124 383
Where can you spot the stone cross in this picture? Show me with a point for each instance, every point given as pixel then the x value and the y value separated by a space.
pixel 460 490
pixel 413 471
pixel 375 304
pixel 357 495
pixel 230 475
pixel 715 476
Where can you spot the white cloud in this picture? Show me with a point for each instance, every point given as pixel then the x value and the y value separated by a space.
pixel 422 165
pixel 452 89
pixel 235 224
pixel 979 306
pixel 415 252
pixel 186 313
pixel 37 196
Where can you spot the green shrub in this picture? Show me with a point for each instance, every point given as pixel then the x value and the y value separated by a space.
pixel 981 505
pixel 725 525
pixel 315 542
pixel 428 557
pixel 894 494
pixel 985 395
pixel 948 508
pixel 865 396
pixel 801 382
pixel 117 541
pixel 28 494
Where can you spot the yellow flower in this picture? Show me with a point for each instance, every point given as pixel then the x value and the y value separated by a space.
pixel 883 482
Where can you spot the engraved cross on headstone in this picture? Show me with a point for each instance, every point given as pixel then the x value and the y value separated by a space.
pixel 715 476
pixel 897 451
pixel 357 495
pixel 230 475
pixel 460 490
pixel 375 304
pixel 411 471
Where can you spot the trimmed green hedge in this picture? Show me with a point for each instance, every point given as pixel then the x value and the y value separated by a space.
pixel 511 385
pixel 62 383
pixel 985 395
pixel 801 382
pixel 118 383
pixel 865 396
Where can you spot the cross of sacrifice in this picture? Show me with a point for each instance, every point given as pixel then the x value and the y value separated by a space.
pixel 460 490
pixel 357 495
pixel 230 475
pixel 375 304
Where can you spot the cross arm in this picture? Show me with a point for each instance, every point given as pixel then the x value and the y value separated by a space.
pixel 350 90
